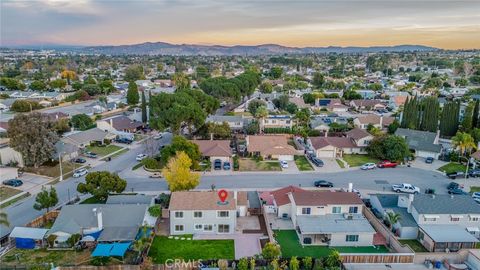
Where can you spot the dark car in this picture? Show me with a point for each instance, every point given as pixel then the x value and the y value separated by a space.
pixel 318 162
pixel 124 140
pixel 457 191
pixel 454 175
pixel 474 173
pixel 377 213
pixel 323 183
pixel 217 164
pixel 453 185
pixel 429 160
pixel 91 155
pixel 226 165
pixel 13 182
pixel 79 160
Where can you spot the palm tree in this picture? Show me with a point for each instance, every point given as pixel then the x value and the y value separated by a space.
pixel 4 219
pixel 393 218
pixel 464 142
pixel 260 114
pixel 317 95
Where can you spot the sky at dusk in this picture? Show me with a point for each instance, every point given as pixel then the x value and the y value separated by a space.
pixel 443 24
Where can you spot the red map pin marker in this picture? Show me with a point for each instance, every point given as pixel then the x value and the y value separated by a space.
pixel 223 194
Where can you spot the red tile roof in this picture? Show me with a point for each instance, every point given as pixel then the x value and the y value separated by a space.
pixel 339 142
pixel 325 198
pixel 281 195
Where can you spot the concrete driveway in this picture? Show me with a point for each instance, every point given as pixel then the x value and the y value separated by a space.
pixel 292 167
pixel 33 183
pixel 420 163
pixel 246 245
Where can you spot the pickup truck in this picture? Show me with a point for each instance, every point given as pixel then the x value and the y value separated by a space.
pixel 454 175
pixel 406 188
pixel 387 164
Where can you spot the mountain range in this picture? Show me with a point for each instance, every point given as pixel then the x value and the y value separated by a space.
pixel 163 48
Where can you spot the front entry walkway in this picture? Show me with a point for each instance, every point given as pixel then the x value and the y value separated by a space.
pixel 246 245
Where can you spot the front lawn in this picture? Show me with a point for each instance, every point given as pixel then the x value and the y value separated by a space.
pixel 53 170
pixel 103 150
pixel 356 160
pixel 164 248
pixel 452 167
pixel 303 164
pixel 414 244
pixel 290 246
pixel 32 257
pixel 474 189
pixel 7 192
pixel 340 163
pixel 247 164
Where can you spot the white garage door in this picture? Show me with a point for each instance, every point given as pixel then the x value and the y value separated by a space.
pixel 326 154
pixel 285 157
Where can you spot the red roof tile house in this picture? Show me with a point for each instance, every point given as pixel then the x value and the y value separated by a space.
pixel 333 147
pixel 215 149
pixel 120 123
pixel 377 121
pixel 368 104
pixel 271 147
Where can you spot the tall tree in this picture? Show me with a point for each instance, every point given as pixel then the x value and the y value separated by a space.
pixel 178 175
pixel 467 121
pixel 34 136
pixel 144 108
pixel 449 119
pixel 475 122
pixel 101 184
pixel 46 199
pixel 82 121
pixel 318 80
pixel 132 93
pixel 464 142
pixel 181 81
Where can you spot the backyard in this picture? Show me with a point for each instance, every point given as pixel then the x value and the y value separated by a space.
pixel 303 164
pixel 452 167
pixel 248 164
pixel 164 248
pixel 414 244
pixel 31 257
pixel 103 150
pixel 359 160
pixel 290 246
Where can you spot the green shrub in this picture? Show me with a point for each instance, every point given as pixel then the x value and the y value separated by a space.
pixel 155 211
pixel 151 163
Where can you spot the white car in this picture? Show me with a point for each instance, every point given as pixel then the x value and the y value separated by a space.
pixel 80 173
pixel 476 195
pixel 368 166
pixel 158 136
pixel 140 157
pixel 283 164
pixel 406 188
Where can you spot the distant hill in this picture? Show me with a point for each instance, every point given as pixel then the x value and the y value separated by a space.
pixel 163 48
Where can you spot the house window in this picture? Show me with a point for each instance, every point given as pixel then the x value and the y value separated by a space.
pixel 197 214
pixel 474 219
pixel 288 121
pixel 351 238
pixel 274 121
pixel 454 219
pixel 179 228
pixel 198 227
pixel 429 219
pixel 306 211
pixel 222 214
pixel 178 214
pixel 336 210
pixel 223 228
pixel 207 227
pixel 353 209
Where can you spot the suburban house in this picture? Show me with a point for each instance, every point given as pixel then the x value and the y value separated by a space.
pixel 336 105
pixel 278 121
pixel 202 212
pixel 271 147
pixel 215 149
pixel 378 121
pixel 366 93
pixel 325 218
pixel 81 139
pixel 368 104
pixel 27 237
pixel 360 137
pixel 100 222
pixel 119 124
pixel 323 123
pixel 333 147
pixel 235 122
pixel 438 222
pixel 423 143
pixel 299 102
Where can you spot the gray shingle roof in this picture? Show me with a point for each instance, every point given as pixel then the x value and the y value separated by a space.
pixel 333 223
pixel 387 200
pixel 406 219
pixel 445 204
pixel 420 140
pixel 448 233
pixel 130 199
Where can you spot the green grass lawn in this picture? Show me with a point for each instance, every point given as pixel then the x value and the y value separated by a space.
pixel 32 257
pixel 248 164
pixel 359 160
pixel 119 153
pixel 163 248
pixel 452 167
pixel 474 189
pixel 290 246
pixel 103 150
pixel 13 201
pixel 340 163
pixel 303 164
pixel 414 244
pixel 7 192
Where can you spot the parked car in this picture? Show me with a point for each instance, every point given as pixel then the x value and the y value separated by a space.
pixel 318 162
pixel 406 188
pixel 217 164
pixel 156 175
pixel 453 185
pixel 454 175
pixel 226 165
pixel 476 195
pixel 80 172
pixel 429 160
pixel 283 164
pixel 140 157
pixel 91 155
pixel 323 183
pixel 457 191
pixel 79 160
pixel 474 173
pixel 13 182
pixel 377 213
pixel 387 164
pixel 124 140
pixel 368 166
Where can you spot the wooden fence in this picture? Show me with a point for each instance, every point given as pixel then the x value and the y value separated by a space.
pixel 267 223
pixel 378 258
pixel 38 222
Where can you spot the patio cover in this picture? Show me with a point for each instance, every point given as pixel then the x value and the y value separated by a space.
pixel 107 250
pixel 28 233
pixel 448 233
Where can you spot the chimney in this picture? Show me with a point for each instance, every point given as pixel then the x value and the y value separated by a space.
pixel 111 122
pixel 235 196
pixel 411 197
pixel 381 121
pixel 326 133
pixel 100 219
pixel 211 136
pixel 350 187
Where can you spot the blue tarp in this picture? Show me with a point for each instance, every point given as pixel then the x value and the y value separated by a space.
pixel 107 250
pixel 24 243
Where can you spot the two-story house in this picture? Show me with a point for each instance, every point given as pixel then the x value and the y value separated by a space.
pixel 235 122
pixel 278 121
pixel 325 218
pixel 201 212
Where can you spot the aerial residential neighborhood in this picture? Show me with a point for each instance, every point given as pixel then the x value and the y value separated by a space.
pixel 315 135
